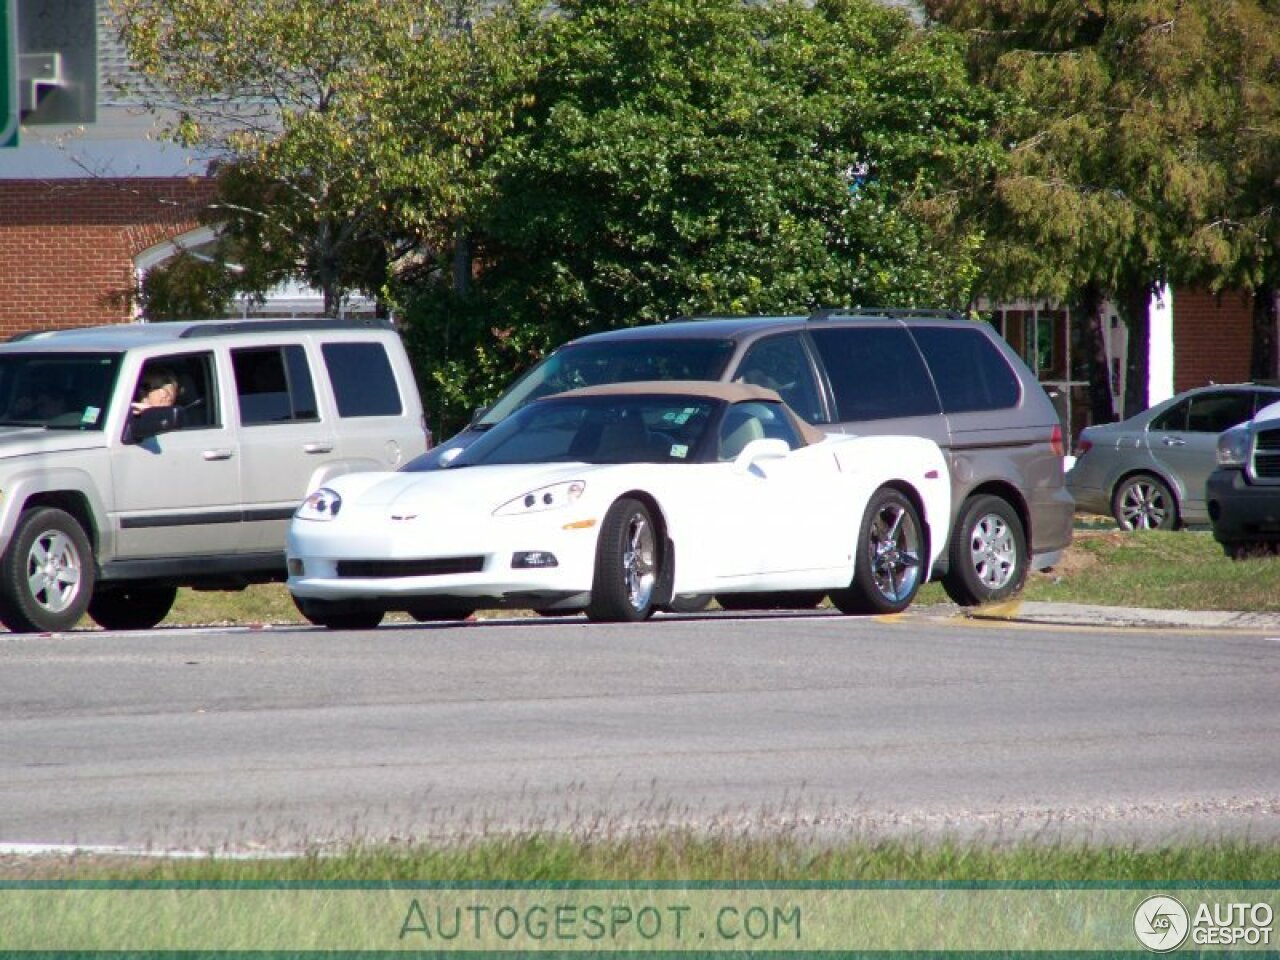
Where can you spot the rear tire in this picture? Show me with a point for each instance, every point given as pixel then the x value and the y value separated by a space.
pixel 889 560
pixel 131 607
pixel 987 557
pixel 1145 502
pixel 628 565
pixel 335 615
pixel 47 573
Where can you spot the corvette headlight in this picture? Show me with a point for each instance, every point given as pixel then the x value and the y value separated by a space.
pixel 544 498
pixel 1233 447
pixel 323 504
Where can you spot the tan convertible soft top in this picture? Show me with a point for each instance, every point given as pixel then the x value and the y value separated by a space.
pixel 711 389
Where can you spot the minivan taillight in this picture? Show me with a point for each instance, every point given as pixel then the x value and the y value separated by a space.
pixel 1055 441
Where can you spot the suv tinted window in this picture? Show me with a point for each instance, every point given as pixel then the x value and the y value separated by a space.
pixel 968 369
pixel 363 382
pixel 273 385
pixel 875 373
pixel 59 391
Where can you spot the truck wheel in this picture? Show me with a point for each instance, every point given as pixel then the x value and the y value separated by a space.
pixel 987 559
pixel 47 574
pixel 131 607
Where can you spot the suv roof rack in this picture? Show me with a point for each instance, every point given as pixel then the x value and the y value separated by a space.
pixel 220 328
pixel 826 313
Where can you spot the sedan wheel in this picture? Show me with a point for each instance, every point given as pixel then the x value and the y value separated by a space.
pixel 627 564
pixel 890 557
pixel 1144 502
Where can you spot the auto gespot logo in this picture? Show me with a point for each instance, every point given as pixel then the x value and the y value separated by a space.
pixel 1162 924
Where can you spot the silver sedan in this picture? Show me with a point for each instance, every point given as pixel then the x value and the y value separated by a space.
pixel 1149 471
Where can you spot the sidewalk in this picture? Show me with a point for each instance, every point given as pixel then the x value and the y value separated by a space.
pixel 1080 614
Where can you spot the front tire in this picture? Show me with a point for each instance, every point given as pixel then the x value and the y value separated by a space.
pixel 47 574
pixel 889 559
pixel 987 559
pixel 628 565
pixel 1144 502
pixel 131 607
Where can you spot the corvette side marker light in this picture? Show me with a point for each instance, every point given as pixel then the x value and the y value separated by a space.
pixel 931 475
pixel 580 525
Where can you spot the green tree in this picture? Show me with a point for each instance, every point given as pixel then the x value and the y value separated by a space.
pixel 349 133
pixel 690 156
pixel 1124 165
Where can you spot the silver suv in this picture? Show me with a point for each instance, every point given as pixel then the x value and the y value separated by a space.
pixel 925 373
pixel 109 507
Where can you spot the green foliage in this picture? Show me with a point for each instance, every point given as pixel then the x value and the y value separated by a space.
pixel 350 132
pixel 702 156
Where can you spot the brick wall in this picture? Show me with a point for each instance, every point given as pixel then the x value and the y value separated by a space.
pixel 67 246
pixel 1212 338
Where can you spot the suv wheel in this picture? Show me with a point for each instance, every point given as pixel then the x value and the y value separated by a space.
pixel 987 559
pixel 47 574
pixel 336 615
pixel 131 607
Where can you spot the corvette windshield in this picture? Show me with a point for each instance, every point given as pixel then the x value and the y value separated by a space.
pixel 601 429
pixel 614 361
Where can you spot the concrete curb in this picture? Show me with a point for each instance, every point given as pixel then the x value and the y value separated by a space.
pixel 1079 614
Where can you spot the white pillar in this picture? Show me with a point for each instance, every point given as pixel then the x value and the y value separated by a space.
pixel 1160 350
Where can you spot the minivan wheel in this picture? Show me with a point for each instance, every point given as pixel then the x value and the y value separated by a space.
pixel 987 558
pixel 889 557
pixel 47 574
pixel 131 607
pixel 1144 502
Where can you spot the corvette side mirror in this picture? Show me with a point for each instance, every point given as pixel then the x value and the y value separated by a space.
pixel 757 450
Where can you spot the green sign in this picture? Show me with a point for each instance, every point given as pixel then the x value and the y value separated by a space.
pixel 9 116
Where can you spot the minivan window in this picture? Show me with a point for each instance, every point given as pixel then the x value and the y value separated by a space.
pixel 273 385
pixel 968 369
pixel 364 384
pixel 875 373
pixel 781 363
pixel 613 361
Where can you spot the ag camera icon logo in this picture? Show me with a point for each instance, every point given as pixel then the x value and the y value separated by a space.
pixel 1161 923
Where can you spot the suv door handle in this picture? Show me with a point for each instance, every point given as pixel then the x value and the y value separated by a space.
pixel 318 446
pixel 223 454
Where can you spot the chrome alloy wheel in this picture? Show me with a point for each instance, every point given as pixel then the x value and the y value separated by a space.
pixel 639 569
pixel 993 550
pixel 894 547
pixel 53 571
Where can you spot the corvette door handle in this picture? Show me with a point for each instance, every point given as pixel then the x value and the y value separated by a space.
pixel 321 446
pixel 1174 442
pixel 222 454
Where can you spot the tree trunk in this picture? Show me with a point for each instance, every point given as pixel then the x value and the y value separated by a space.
pixel 1262 361
pixel 1096 369
pixel 1136 303
pixel 461 261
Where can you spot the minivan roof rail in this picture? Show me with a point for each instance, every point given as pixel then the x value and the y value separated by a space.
pixel 826 313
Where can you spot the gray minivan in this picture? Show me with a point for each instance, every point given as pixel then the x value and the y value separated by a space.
pixel 926 373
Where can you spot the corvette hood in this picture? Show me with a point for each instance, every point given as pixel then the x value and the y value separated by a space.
pixel 467 490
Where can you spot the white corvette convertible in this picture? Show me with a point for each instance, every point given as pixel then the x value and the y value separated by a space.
pixel 625 499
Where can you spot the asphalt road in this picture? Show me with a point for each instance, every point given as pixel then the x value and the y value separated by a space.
pixel 286 738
